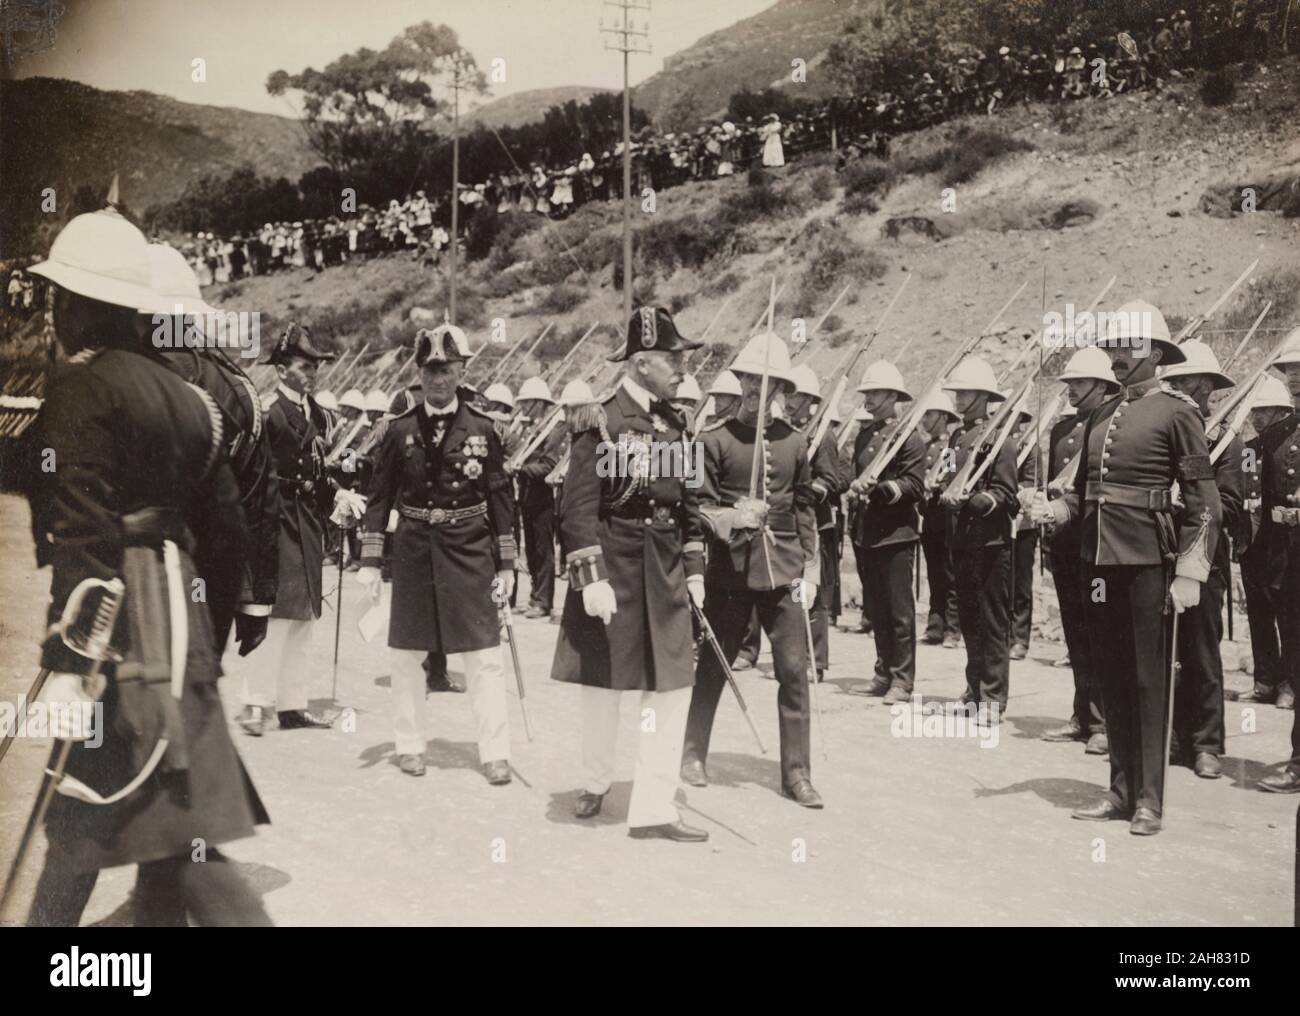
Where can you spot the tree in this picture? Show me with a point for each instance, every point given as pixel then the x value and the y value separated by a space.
pixel 370 114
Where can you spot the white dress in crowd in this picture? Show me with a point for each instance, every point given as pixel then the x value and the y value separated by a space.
pixel 773 153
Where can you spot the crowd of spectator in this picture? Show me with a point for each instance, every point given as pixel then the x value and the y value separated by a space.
pixel 977 82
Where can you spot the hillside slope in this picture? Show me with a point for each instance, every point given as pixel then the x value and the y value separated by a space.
pixel 1139 163
pixel 526 107
pixel 64 134
pixel 754 53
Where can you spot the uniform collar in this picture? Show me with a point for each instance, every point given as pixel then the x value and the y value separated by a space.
pixel 639 395
pixel 448 411
pixel 294 397
pixel 1142 388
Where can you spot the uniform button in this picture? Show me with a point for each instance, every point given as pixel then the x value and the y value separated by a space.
pixel 1069 441
pixel 1294 448
pixel 1104 470
pixel 649 521
pixel 1101 500
pixel 429 484
pixel 1290 472
pixel 455 483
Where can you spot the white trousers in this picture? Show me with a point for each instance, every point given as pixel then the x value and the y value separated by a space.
pixel 276 672
pixel 485 683
pixel 661 723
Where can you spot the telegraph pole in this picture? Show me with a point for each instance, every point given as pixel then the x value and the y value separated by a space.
pixel 455 180
pixel 627 36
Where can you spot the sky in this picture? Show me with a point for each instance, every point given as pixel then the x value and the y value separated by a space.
pixel 151 44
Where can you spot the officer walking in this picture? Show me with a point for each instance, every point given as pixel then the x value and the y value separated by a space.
pixel 296 427
pixel 634 552
pixel 441 467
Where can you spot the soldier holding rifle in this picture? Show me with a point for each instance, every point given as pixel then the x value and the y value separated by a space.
pixel 764 554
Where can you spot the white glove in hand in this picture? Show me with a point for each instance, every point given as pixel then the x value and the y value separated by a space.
pixel 71 706
pixel 1184 592
pixel 695 586
pixel 598 600
pixel 505 585
pixel 805 594
pixel 349 506
pixel 750 513
pixel 372 580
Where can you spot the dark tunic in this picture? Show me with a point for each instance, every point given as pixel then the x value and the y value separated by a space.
pixel 742 558
pixel 890 515
pixel 248 450
pixel 644 538
pixel 443 571
pixel 129 435
pixel 297 437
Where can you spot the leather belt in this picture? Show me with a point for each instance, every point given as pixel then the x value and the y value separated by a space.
pixel 659 513
pixel 1127 496
pixel 1285 516
pixel 441 516
pixel 149 527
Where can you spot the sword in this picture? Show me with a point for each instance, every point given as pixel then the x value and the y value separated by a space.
pixel 77 629
pixel 812 674
pixel 97 648
pixel 1175 668
pixel 519 674
pixel 706 635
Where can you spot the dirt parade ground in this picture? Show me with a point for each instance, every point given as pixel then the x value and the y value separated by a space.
pixel 919 830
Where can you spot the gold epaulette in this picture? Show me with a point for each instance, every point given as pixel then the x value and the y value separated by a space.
pixel 586 416
pixel 269 399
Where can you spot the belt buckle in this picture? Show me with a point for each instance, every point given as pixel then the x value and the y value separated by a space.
pixel 663 513
pixel 437 516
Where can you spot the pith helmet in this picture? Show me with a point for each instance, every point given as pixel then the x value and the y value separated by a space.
pixel 535 388
pixel 499 392
pixel 726 383
pixel 1139 320
pixel 805 381
pixel 1270 393
pixel 974 374
pixel 688 390
pixel 766 351
pixel 1090 364
pixel 884 376
pixel 1198 358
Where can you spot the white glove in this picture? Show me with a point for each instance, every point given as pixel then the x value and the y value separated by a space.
pixel 1184 592
pixel 695 586
pixel 505 585
pixel 805 593
pixel 372 580
pixel 750 513
pixel 598 600
pixel 72 705
pixel 349 507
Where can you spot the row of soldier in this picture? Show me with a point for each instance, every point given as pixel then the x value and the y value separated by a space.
pixel 161 482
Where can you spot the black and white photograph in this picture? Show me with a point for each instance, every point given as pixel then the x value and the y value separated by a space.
pixel 652 463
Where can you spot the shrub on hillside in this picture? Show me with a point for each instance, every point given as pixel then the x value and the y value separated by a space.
pixel 834 260
pixel 679 302
pixel 560 299
pixel 509 228
pixel 1219 87
pixel 868 176
pixel 724 283
pixel 961 160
